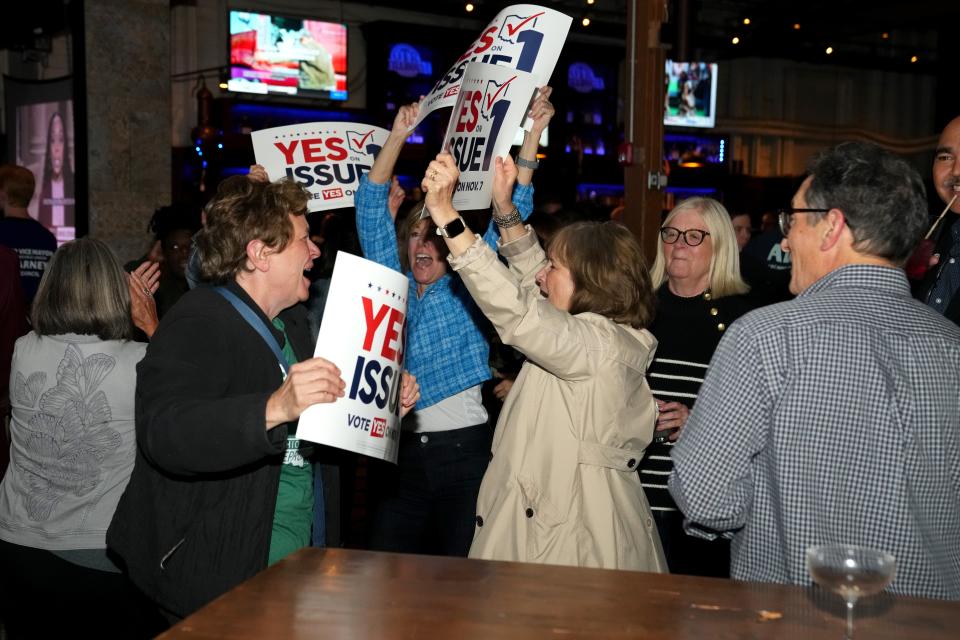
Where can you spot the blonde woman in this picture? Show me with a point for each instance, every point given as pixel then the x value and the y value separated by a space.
pixel 699 293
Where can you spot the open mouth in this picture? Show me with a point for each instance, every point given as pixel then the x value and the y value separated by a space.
pixel 423 260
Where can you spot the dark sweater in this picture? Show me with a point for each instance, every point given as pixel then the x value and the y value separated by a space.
pixel 196 518
pixel 687 333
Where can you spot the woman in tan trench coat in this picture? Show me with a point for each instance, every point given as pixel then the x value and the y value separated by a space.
pixel 562 486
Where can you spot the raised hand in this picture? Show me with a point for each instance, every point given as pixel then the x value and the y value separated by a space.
pixel 403 121
pixel 258 173
pixel 439 183
pixel 143 283
pixel 541 111
pixel 396 197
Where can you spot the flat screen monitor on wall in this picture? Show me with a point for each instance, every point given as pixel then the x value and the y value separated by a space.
pixel 289 56
pixel 690 94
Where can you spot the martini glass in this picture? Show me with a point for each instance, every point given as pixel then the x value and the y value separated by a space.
pixel 851 571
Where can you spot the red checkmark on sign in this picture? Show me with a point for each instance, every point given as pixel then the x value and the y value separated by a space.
pixel 359 143
pixel 513 29
pixel 493 98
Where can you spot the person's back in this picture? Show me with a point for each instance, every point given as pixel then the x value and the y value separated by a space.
pixel 834 418
pixel 901 485
pixel 32 241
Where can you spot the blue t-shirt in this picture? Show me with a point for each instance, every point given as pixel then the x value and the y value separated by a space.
pixel 34 245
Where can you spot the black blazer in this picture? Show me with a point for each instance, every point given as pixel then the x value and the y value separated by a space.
pixel 196 518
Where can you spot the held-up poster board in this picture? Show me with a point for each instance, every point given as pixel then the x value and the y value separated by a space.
pixel 327 158
pixel 363 333
pixel 525 37
pixel 491 105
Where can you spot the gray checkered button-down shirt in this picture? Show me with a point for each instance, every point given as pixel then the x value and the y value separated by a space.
pixel 832 418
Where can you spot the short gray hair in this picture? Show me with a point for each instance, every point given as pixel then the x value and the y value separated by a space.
pixel 881 196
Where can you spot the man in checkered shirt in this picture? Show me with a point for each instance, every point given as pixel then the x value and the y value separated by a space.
pixel 835 417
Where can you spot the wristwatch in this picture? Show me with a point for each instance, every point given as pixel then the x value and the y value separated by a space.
pixel 452 229
pixel 527 164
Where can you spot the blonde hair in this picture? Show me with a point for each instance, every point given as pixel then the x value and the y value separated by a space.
pixel 724 278
pixel 84 290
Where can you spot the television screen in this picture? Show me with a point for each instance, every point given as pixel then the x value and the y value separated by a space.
pixel 273 54
pixel 690 98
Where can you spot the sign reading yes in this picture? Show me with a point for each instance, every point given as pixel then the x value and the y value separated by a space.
pixel 524 37
pixel 327 158
pixel 363 334
pixel 490 107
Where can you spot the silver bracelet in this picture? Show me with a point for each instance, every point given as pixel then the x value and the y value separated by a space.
pixel 512 219
pixel 527 164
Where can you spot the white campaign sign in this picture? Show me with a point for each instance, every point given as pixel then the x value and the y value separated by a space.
pixel 525 37
pixel 327 158
pixel 492 103
pixel 363 333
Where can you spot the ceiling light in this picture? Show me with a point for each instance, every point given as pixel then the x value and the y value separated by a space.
pixel 885 35
pixel 796 26
pixel 585 22
pixel 914 58
pixel 746 21
pixel 590 1
pixel 469 7
pixel 829 50
pixel 735 40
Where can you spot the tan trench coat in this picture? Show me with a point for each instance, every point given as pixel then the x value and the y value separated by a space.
pixel 562 486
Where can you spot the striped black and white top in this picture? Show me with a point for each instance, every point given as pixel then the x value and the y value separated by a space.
pixel 687 331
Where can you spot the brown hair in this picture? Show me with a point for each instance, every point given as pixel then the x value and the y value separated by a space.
pixel 83 290
pixel 242 211
pixel 18 183
pixel 608 270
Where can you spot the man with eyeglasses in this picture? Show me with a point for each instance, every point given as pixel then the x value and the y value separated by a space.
pixel 942 280
pixel 835 417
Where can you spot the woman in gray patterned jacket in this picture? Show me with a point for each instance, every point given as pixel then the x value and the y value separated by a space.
pixel 72 447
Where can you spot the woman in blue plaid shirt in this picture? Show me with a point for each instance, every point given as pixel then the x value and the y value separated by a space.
pixel 427 503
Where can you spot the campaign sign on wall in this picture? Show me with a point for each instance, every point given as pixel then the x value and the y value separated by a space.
pixel 492 103
pixel 526 37
pixel 363 333
pixel 327 158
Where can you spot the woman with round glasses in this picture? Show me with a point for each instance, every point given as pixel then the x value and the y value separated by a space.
pixel 699 293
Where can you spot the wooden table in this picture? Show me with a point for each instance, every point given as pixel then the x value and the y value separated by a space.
pixel 340 593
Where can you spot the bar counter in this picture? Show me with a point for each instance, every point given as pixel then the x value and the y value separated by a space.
pixel 345 593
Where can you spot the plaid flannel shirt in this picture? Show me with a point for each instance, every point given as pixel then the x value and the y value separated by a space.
pixel 446 348
pixel 832 418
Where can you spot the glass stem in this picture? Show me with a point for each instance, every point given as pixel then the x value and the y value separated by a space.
pixel 850 604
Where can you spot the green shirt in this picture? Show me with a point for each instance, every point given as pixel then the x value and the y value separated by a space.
pixel 293 517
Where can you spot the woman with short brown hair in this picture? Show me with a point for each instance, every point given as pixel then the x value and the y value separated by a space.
pixel 246 210
pixel 607 267
pixel 561 487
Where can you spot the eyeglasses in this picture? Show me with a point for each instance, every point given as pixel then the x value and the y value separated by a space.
pixel 785 217
pixel 693 237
